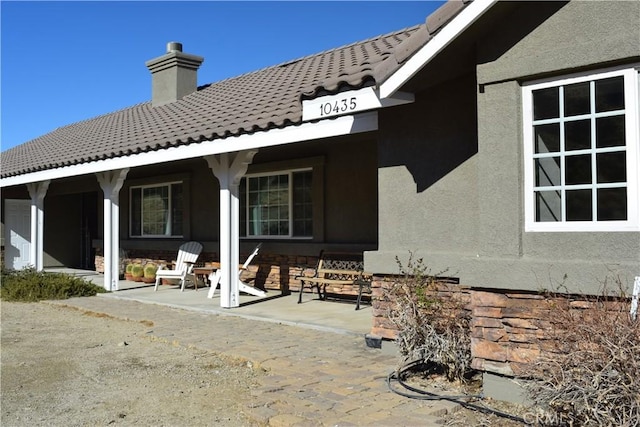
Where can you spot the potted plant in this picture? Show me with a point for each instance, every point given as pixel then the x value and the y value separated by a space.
pixel 127 271
pixel 149 275
pixel 137 272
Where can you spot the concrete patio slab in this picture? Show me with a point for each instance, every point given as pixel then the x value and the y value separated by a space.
pixel 331 316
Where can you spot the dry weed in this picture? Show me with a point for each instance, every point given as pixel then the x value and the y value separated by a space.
pixel 591 375
pixel 431 321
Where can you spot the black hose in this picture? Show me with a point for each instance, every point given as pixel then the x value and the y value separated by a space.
pixel 421 394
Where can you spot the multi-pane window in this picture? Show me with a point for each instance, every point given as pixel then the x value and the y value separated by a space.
pixel 156 210
pixel 581 145
pixel 277 205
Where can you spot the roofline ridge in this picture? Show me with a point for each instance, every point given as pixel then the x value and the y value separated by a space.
pixel 302 58
pixel 370 39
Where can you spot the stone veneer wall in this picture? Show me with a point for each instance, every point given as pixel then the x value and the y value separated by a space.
pixel 508 329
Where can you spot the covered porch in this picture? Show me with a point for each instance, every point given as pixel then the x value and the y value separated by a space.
pixel 332 316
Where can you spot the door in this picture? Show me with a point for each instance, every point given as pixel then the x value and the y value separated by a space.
pixel 17 226
pixel 89 230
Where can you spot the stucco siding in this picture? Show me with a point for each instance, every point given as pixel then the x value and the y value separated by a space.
pixel 427 178
pixel 351 193
pixel 577 35
pixel 500 171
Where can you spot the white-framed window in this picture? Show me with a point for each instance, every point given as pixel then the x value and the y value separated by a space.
pixel 277 204
pixel 581 152
pixel 156 210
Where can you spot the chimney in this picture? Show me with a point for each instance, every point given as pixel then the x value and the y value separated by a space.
pixel 173 75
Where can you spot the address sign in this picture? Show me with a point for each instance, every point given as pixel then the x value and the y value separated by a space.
pixel 342 103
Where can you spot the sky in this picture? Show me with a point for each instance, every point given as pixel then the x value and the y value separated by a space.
pixel 63 62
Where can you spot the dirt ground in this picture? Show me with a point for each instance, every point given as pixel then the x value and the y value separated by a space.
pixel 56 370
pixel 487 409
pixel 64 367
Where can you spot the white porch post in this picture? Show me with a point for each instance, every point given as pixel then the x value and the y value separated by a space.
pixel 229 168
pixel 37 191
pixel 111 183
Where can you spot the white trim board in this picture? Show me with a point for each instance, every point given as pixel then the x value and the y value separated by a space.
pixel 345 125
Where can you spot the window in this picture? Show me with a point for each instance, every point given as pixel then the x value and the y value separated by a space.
pixel 156 210
pixel 581 153
pixel 277 205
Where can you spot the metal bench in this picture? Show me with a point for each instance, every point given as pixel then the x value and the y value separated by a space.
pixel 337 270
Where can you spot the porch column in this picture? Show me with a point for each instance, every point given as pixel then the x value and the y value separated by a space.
pixel 111 183
pixel 37 191
pixel 229 168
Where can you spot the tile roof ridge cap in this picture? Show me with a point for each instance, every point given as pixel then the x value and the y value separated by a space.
pixel 433 24
pixel 401 53
pixel 311 55
pixel 359 42
pixel 440 17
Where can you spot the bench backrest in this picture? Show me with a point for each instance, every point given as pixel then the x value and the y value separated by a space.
pixel 340 265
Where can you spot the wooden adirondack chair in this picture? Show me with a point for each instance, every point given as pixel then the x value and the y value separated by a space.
pixel 214 278
pixel 188 253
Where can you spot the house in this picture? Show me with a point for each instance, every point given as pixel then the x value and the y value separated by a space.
pixel 498 140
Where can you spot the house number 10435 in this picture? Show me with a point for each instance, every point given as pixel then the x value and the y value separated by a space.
pixel 338 106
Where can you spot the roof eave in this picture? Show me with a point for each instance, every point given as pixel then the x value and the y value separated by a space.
pixel 345 125
pixel 435 45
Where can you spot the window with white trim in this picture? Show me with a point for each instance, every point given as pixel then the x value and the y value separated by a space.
pixel 156 210
pixel 277 205
pixel 581 153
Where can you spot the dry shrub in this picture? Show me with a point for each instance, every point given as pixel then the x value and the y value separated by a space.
pixel 29 285
pixel 591 375
pixel 431 321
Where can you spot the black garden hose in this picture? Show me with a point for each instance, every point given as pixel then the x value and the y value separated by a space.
pixel 420 394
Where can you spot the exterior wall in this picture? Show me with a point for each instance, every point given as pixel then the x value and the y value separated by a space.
pixel 471 220
pixel 428 176
pixel 539 39
pixel 349 184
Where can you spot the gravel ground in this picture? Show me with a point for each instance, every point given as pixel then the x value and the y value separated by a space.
pixel 61 367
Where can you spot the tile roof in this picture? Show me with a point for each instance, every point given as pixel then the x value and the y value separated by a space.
pixel 257 101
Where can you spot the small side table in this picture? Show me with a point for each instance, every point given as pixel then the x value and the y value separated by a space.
pixel 202 274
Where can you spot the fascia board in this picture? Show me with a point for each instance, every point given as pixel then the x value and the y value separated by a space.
pixel 441 40
pixel 345 125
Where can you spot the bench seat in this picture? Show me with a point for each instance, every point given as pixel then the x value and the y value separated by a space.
pixel 337 269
